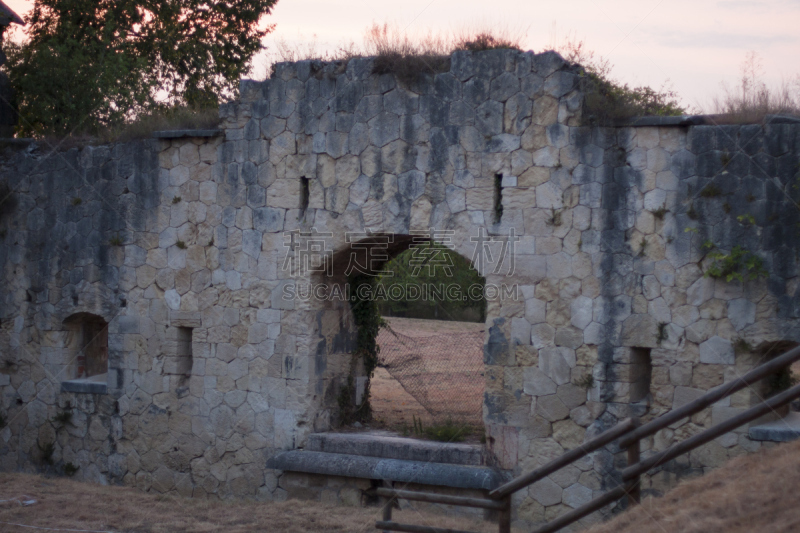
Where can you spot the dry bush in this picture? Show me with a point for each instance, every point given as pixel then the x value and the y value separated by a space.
pixel 409 58
pixel 310 50
pixel 396 53
pixel 575 50
pixel 478 38
pixel 609 101
pixel 752 99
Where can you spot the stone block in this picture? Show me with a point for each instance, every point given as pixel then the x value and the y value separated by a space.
pixel 576 495
pixel 741 313
pixel 581 312
pixel 717 351
pixel 556 363
pixel 537 383
pixel 684 395
pixel 640 331
pixel 551 408
pixel 572 395
pixel 546 492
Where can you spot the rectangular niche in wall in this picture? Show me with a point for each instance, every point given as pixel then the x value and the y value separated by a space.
pixel 178 351
pixel 641 371
pixel 86 346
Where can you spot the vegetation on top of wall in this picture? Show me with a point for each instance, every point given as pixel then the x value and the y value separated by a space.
pixel 408 58
pixel 752 99
pixel 607 100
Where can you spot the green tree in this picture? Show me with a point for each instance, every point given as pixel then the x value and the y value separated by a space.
pixel 433 264
pixel 95 63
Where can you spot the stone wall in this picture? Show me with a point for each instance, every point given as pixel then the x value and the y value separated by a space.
pixel 614 316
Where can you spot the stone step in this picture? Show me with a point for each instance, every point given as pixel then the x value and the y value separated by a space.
pixel 358 466
pixel 389 446
pixel 784 430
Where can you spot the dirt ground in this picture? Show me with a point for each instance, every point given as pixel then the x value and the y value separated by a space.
pixel 62 504
pixel 754 493
pixel 440 362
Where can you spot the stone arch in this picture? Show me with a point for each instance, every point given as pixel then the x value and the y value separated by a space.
pixel 333 333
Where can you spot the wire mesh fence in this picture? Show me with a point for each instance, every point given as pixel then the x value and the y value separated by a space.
pixel 440 364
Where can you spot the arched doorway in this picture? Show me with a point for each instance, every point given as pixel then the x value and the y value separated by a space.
pixel 430 376
pixel 410 311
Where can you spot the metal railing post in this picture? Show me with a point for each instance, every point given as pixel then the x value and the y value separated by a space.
pixel 387 510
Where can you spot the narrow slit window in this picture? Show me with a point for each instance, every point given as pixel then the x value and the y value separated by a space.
pixel 641 374
pixel 305 194
pixel 498 198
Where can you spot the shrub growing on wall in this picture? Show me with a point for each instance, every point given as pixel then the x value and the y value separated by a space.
pixel 608 100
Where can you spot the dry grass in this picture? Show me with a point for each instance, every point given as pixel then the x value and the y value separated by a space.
pixel 750 493
pixel 67 504
pixel 407 56
pixel 752 99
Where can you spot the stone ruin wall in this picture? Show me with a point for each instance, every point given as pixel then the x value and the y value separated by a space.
pixel 608 287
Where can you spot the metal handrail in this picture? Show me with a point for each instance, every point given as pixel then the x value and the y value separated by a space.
pixel 629 432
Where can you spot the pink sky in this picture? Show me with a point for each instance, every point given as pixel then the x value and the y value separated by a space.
pixel 696 44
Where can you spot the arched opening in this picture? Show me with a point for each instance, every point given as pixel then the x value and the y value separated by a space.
pixel 418 333
pixel 86 347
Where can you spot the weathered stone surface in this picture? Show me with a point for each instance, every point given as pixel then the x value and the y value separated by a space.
pixel 200 253
pixel 556 363
pixel 741 313
pixel 546 492
pixel 717 351
pixel 537 383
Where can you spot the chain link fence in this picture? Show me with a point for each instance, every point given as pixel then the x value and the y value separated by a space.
pixel 440 364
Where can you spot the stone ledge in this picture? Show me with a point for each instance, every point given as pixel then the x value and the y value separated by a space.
pixel 389 446
pixel 16 142
pixel 337 464
pixel 91 385
pixel 177 134
pixel 681 120
pixel 699 120
pixel 784 430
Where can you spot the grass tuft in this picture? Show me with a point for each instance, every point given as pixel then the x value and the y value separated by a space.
pixel 447 431
pixel 752 100
pixel 710 191
pixel 408 57
pixel 660 213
